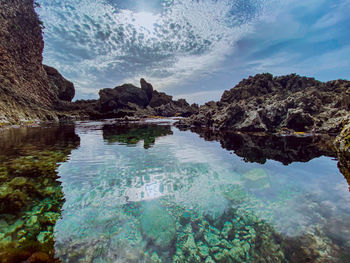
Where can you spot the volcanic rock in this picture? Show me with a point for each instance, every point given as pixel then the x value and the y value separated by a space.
pixel 277 104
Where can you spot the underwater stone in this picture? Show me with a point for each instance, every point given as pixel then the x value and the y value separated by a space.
pixel 49 218
pixel 256 179
pixel 190 245
pixel 44 237
pixel 211 239
pixel 226 244
pixel 4 242
pixel 225 232
pixel 158 225
pixel 155 258
pixel 32 221
pixel 209 260
pixel 222 256
pixel 203 250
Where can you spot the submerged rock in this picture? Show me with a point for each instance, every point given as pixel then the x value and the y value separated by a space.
pixel 157 225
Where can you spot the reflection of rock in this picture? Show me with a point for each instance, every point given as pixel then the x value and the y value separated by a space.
pixel 260 147
pixel 30 195
pixel 133 133
pixel 158 225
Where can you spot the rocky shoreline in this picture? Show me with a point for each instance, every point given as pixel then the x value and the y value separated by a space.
pixel 32 92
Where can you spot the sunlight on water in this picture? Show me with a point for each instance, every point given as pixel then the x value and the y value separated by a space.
pixel 178 198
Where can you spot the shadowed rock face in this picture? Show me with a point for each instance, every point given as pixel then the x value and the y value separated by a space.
pixel 276 104
pixel 64 88
pixel 23 81
pixel 128 100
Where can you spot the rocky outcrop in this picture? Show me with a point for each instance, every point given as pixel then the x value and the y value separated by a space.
pixel 24 92
pixel 147 88
pixel 342 143
pixel 128 100
pixel 63 88
pixel 264 103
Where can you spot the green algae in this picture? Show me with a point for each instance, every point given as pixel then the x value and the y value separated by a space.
pixel 30 195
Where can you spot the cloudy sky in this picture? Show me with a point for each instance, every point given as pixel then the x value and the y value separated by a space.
pixel 193 48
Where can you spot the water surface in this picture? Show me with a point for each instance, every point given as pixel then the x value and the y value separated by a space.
pixel 152 193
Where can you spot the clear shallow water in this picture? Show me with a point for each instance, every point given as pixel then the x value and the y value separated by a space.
pixel 185 199
pixel 152 193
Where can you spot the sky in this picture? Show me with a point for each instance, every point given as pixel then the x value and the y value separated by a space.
pixel 193 49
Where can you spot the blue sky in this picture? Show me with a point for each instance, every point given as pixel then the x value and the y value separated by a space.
pixel 194 48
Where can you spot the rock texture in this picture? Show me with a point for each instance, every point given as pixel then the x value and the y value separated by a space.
pixel 24 92
pixel 128 100
pixel 264 103
pixel 63 88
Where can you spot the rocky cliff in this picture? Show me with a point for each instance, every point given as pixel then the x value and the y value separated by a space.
pixel 24 86
pixel 291 103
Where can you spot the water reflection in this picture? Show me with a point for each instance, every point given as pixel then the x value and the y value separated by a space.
pixel 262 147
pixel 132 133
pixel 30 195
pixel 185 199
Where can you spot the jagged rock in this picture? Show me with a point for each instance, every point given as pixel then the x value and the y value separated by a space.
pixel 63 87
pixel 119 97
pixel 159 98
pixel 275 104
pixel 147 87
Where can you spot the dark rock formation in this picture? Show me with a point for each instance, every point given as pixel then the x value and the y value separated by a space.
pixel 24 92
pixel 277 104
pixel 121 96
pixel 159 99
pixel 62 87
pixel 128 100
pixel 146 87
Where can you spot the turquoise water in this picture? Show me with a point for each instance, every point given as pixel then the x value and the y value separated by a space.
pixel 152 193
pixel 184 199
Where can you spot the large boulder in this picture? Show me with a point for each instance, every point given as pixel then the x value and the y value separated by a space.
pixel 121 96
pixel 63 87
